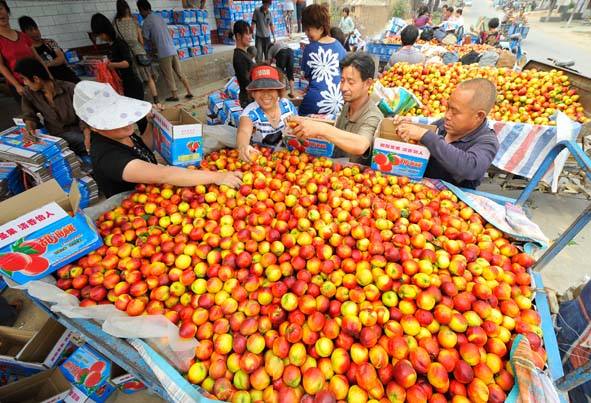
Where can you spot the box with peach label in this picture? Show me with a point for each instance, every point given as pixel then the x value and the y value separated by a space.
pixel 90 374
pixel 313 146
pixel 393 156
pixel 178 137
pixel 42 230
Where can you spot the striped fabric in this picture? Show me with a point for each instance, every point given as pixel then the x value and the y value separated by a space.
pixel 262 126
pixel 522 146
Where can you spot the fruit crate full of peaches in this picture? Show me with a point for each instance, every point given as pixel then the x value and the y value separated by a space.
pixel 528 96
pixel 315 281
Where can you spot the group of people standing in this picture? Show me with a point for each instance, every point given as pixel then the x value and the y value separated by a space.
pixel 36 70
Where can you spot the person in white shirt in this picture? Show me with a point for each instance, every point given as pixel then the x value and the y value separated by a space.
pixel 457 17
pixel 347 25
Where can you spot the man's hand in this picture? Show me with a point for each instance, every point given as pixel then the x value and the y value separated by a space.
pixel 20 89
pixel 409 132
pixel 247 153
pixel 29 135
pixel 307 128
pixel 400 119
pixel 232 179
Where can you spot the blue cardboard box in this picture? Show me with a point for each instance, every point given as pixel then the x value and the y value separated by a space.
pixel 90 373
pixel 178 137
pixel 183 53
pixel 316 147
pixel 42 230
pixel 395 157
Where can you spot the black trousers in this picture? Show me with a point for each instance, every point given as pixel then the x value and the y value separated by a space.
pixel 262 44
pixel 299 8
pixel 284 61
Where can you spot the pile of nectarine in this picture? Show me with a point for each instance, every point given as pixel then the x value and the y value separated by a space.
pixel 317 282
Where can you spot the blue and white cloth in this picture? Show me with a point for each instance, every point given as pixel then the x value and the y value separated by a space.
pixel 262 125
pixel 320 65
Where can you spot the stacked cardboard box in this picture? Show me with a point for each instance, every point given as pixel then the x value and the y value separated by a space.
pixel 189 31
pixel 10 180
pixel 47 158
pixel 223 105
pixel 229 11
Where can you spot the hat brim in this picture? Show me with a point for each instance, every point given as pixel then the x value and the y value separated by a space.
pixel 265 84
pixel 122 112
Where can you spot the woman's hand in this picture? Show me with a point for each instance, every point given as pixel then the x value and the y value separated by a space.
pixel 247 153
pixel 20 89
pixel 232 179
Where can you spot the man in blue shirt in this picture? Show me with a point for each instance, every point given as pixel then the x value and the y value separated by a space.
pixel 463 146
pixel 155 30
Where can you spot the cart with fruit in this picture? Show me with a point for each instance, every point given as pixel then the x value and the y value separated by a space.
pixel 316 280
pixel 319 279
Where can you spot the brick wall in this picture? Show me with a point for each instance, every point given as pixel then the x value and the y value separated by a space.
pixel 68 21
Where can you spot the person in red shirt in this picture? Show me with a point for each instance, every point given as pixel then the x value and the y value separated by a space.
pixel 14 46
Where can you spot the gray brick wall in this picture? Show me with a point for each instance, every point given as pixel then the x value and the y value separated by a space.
pixel 68 21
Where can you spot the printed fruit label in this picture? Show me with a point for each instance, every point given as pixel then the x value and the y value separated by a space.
pixel 401 159
pixel 316 147
pixel 89 372
pixel 41 241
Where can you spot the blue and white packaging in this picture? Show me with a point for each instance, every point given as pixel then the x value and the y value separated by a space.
pixel 178 137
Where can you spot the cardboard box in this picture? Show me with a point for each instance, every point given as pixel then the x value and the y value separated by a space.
pixel 90 375
pixel 49 386
pixel 24 353
pixel 128 384
pixel 316 147
pixel 38 235
pixel 178 137
pixel 395 157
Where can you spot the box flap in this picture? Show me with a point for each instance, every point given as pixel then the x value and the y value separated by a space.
pixel 13 340
pixel 40 345
pixel 387 129
pixel 74 195
pixel 33 199
pixel 35 388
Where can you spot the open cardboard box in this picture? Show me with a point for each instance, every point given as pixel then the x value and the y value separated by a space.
pixel 395 157
pixel 49 386
pixel 93 377
pixel 44 229
pixel 316 147
pixel 24 353
pixel 178 136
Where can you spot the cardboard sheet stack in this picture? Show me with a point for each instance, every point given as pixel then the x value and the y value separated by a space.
pixel 10 180
pixel 47 158
pixel 227 12
pixel 223 105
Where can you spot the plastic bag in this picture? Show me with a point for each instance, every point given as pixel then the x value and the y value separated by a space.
pixel 116 322
pixel 566 129
pixel 217 137
pixel 108 76
pixel 395 101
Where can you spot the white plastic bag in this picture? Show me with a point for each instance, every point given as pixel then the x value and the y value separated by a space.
pixel 216 137
pixel 115 322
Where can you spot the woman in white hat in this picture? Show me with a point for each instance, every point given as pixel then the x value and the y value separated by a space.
pixel 120 158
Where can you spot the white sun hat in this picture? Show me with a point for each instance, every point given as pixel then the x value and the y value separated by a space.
pixel 100 106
